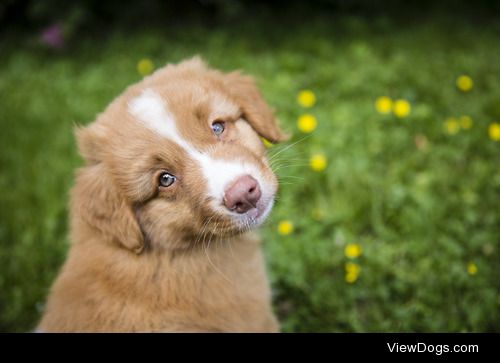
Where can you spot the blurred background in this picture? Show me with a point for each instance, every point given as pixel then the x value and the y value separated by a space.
pixel 388 218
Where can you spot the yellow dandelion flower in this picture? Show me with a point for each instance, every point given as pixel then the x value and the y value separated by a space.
pixel 494 131
pixel 318 162
pixel 352 272
pixel 464 83
pixel 352 250
pixel 352 267
pixel 285 227
pixel 471 268
pixel 266 143
pixel 401 108
pixel 145 66
pixel 383 104
pixel 307 123
pixel 466 122
pixel 306 98
pixel 351 278
pixel 451 125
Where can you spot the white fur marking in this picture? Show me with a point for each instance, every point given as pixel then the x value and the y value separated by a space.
pixel 220 173
pixel 151 110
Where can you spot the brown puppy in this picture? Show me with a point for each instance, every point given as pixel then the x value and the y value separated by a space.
pixel 175 177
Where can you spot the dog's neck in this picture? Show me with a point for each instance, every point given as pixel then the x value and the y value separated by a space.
pixel 164 272
pixel 178 244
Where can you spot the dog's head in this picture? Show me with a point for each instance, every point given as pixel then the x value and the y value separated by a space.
pixel 176 158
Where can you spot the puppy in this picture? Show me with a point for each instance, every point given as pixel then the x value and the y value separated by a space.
pixel 175 177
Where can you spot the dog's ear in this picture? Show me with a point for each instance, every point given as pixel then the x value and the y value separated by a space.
pixel 255 109
pixel 194 63
pixel 90 140
pixel 97 200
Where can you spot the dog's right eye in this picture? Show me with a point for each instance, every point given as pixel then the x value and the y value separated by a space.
pixel 218 127
pixel 166 179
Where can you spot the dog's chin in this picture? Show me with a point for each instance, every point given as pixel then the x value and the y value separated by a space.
pixel 228 223
pixel 254 217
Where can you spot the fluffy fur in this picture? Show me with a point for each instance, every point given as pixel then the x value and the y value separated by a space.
pixel 147 258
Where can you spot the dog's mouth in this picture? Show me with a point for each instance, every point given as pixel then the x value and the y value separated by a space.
pixel 237 221
pixel 226 223
pixel 255 216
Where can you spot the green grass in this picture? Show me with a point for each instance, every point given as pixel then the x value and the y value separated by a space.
pixel 420 215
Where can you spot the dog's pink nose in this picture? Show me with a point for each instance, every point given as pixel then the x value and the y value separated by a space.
pixel 242 195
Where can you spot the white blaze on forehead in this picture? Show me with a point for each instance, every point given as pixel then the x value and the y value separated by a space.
pixel 151 110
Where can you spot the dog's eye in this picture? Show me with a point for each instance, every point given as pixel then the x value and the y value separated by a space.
pixel 218 127
pixel 166 179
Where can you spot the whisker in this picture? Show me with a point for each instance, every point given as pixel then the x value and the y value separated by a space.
pixel 282 161
pixel 231 250
pixel 289 146
pixel 289 166
pixel 274 161
pixel 202 234
pixel 280 177
pixel 207 249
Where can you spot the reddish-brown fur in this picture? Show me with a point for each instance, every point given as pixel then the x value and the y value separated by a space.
pixel 149 259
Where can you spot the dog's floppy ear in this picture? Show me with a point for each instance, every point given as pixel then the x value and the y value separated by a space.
pixel 97 200
pixel 255 109
pixel 90 140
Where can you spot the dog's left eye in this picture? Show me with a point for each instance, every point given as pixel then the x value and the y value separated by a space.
pixel 218 127
pixel 166 180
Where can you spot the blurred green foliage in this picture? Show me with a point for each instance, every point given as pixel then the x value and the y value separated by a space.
pixel 78 15
pixel 421 203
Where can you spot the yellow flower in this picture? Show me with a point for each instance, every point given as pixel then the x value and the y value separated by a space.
pixel 285 227
pixel 464 83
pixel 145 66
pixel 318 162
pixel 466 122
pixel 306 98
pixel 352 250
pixel 266 143
pixel 352 267
pixel 401 108
pixel 471 268
pixel 451 125
pixel 494 131
pixel 351 277
pixel 383 104
pixel 352 271
pixel 307 123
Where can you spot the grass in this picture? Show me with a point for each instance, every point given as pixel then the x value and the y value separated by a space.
pixel 422 204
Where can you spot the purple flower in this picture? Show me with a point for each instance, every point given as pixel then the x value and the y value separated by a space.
pixel 52 36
